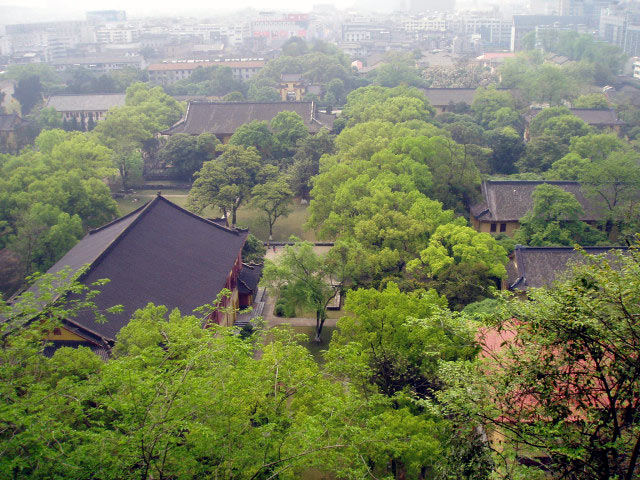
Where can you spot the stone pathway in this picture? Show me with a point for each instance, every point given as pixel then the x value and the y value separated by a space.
pixel 271 320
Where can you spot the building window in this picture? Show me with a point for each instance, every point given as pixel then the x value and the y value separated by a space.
pixel 493 228
pixel 57 331
pixel 503 227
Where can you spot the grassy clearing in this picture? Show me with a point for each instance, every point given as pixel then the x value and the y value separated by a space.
pixel 248 217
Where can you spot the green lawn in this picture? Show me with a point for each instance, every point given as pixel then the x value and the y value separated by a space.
pixel 247 216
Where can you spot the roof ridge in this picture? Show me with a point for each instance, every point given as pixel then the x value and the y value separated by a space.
pixel 554 182
pixel 219 102
pixel 83 94
pixel 235 231
pixel 562 247
pixel 143 210
pixel 113 222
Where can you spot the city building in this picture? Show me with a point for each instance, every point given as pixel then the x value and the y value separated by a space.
pixel 168 73
pixel 620 25
pixel 524 24
pixel 85 110
pixel 274 28
pixel 106 16
pixel 99 63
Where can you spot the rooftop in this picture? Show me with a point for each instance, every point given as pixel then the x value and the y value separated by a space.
pixel 510 200
pixel 224 118
pixel 171 66
pixel 98 102
pixel 534 267
pixel 591 116
pixel 159 253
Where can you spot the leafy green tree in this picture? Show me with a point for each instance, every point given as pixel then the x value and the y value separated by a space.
pixel 455 243
pixel 288 128
pixel 306 160
pixel 255 134
pixel 49 118
pixel 263 94
pixel 562 385
pixel 147 411
pixel 566 127
pixel 399 104
pixel 295 47
pixel 398 72
pixel 233 97
pixel 542 152
pixel 211 80
pixel 186 153
pixel 28 91
pixel 43 234
pixel 253 250
pixel 550 84
pixel 455 173
pixel 506 146
pixel 613 184
pixel 592 100
pixel 308 279
pixel 539 122
pixel 461 264
pixel 226 181
pixel 274 199
pixel 391 347
pixel 488 102
pixel 555 220
pixel 597 146
pixel 570 167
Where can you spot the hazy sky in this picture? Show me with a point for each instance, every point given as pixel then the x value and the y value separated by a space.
pixel 61 8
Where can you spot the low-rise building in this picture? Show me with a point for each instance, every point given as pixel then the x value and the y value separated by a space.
pixel 598 118
pixel 85 109
pixel 505 202
pixel 9 127
pixel 99 63
pixel 159 253
pixel 168 73
pixel 535 267
pixel 224 118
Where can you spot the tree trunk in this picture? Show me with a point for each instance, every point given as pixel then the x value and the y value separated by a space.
pixel 233 216
pixel 320 318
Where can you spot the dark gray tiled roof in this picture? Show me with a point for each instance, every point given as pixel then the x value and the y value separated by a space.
pixel 249 278
pixel 84 103
pixel 534 267
pixel 160 253
pixel 102 352
pixel 444 96
pixel 510 200
pixel 225 118
pixel 591 116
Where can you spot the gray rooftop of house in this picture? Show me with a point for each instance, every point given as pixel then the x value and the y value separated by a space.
pixel 592 116
pixel 444 96
pixel 159 253
pixel 510 200
pixel 535 267
pixel 85 103
pixel 223 118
